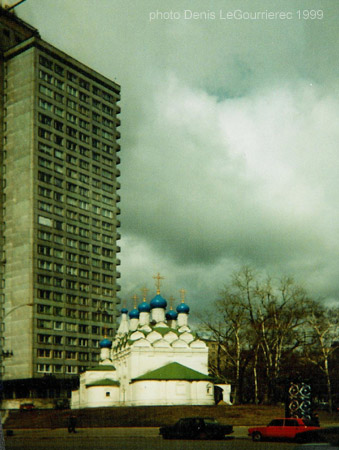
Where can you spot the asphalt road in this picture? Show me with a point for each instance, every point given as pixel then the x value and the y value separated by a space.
pixel 128 439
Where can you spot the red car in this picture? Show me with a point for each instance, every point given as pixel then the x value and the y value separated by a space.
pixel 281 429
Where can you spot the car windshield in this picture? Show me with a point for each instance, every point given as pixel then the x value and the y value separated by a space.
pixel 210 420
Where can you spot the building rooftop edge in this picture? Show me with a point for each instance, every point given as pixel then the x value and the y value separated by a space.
pixel 36 41
pixel 16 19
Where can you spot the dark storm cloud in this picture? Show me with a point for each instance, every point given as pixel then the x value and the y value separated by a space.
pixel 229 137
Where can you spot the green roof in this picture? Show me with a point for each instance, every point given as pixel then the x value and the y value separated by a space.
pixel 104 382
pixel 173 371
pixel 103 367
pixel 163 331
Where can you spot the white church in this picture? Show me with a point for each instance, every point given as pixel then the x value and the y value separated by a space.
pixel 154 359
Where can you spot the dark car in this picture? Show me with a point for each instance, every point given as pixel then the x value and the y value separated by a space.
pixel 329 435
pixel 286 428
pixel 196 428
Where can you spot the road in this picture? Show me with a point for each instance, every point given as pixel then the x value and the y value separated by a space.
pixel 128 439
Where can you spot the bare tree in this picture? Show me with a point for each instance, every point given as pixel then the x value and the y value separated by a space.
pixel 320 339
pixel 227 326
pixel 255 324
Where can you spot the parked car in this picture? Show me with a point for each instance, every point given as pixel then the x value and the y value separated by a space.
pixel 27 407
pixel 196 428
pixel 329 435
pixel 286 428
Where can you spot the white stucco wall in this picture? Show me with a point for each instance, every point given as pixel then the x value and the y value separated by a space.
pixel 174 392
pixel 102 396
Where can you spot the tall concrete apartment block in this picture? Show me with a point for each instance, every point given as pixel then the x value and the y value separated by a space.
pixel 59 208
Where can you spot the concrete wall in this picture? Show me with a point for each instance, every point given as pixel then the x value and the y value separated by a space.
pixel 18 216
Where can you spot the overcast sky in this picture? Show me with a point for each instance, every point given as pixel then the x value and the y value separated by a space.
pixel 229 135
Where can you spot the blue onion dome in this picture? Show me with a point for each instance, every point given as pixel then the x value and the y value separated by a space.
pixel 134 314
pixel 124 311
pixel 158 302
pixel 171 315
pixel 105 343
pixel 144 307
pixel 183 308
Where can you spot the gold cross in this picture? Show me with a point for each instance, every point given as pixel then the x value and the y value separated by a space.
pixel 171 302
pixel 182 293
pixel 157 283
pixel 144 291
pixel 135 298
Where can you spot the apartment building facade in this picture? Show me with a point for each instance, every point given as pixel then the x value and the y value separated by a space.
pixel 59 213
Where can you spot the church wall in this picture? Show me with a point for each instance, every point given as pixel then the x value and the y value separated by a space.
pixel 143 360
pixel 172 392
pixel 102 396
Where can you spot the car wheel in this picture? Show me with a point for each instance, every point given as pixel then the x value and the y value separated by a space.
pixel 256 437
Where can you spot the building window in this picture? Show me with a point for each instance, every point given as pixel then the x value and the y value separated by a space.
pixel 58 111
pixel 44 309
pixel 59 84
pixel 71 355
pixel 107 265
pixel 47 324
pixel 45 206
pixel 59 70
pixel 71 340
pixel 72 104
pixel 58 297
pixel 44 235
pixel 45 62
pixel 58 340
pixel 45 105
pixel 57 354
pixel 44 177
pixel 83 342
pixel 58 325
pixel 45 90
pixel 44 368
pixel 44 265
pixel 58 253
pixel 70 284
pixel 45 134
pixel 71 327
pixel 71 369
pixel 58 97
pixel 83 356
pixel 58 368
pixel 44 339
pixel 72 77
pixel 72 90
pixel 43 353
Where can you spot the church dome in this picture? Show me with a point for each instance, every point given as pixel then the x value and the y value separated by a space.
pixel 134 314
pixel 105 343
pixel 144 307
pixel 171 315
pixel 124 311
pixel 158 302
pixel 183 308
